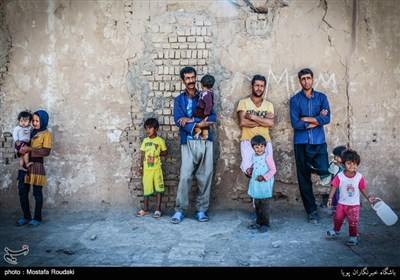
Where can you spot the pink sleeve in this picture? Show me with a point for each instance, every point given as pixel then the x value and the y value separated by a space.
pixel 362 185
pixel 271 165
pixel 336 181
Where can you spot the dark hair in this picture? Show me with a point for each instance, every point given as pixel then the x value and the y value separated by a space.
pixel 207 81
pixel 25 115
pixel 305 71
pixel 350 155
pixel 338 151
pixel 152 122
pixel 258 140
pixel 187 70
pixel 258 77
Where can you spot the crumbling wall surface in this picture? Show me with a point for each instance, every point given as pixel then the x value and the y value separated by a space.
pixel 100 68
pixel 374 96
pixel 69 58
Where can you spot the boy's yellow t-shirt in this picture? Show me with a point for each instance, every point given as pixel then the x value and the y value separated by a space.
pixel 152 149
pixel 248 106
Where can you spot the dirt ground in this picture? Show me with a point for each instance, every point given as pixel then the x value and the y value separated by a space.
pixel 117 238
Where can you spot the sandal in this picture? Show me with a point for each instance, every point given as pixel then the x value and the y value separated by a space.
pixel 21 222
pixel 141 213
pixel 177 217
pixel 157 214
pixel 331 234
pixel 352 241
pixel 201 217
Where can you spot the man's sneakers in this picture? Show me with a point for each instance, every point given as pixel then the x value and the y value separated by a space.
pixel 313 218
pixel 34 223
pixel 31 223
pixel 21 222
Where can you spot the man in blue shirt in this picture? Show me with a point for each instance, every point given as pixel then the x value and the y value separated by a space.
pixel 309 112
pixel 196 154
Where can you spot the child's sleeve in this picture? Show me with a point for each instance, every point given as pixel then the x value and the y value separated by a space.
pixel 208 99
pixel 163 145
pixel 335 182
pixel 362 184
pixel 272 168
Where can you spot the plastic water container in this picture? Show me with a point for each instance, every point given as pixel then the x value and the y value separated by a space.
pixel 385 212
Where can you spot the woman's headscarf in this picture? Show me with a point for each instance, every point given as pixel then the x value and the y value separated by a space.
pixel 44 120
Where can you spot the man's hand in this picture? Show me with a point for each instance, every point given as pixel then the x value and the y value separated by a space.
pixel 249 116
pixel 269 115
pixel 204 123
pixel 184 120
pixel 323 112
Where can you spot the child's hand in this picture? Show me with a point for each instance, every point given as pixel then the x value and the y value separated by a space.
pixel 260 178
pixel 329 203
pixel 372 199
pixel 18 143
pixel 248 171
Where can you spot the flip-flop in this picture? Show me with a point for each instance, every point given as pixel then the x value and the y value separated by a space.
pixel 141 213
pixel 201 217
pixel 157 214
pixel 177 217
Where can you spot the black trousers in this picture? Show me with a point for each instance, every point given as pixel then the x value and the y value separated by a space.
pixel 23 191
pixel 310 159
pixel 262 210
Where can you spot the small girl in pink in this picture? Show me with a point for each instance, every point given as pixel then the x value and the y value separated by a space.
pixel 350 183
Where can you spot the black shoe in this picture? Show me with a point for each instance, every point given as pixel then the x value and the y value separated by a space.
pixel 313 218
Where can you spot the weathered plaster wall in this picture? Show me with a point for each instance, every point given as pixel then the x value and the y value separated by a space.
pixel 101 68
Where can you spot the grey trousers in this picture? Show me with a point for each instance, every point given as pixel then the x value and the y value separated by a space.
pixel 197 159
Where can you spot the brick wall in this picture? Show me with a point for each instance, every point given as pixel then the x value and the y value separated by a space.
pixel 154 87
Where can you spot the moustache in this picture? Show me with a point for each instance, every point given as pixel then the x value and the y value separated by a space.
pixel 192 83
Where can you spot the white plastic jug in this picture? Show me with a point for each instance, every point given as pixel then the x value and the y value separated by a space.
pixel 384 212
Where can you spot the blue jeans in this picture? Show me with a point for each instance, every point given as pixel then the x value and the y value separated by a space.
pixel 23 191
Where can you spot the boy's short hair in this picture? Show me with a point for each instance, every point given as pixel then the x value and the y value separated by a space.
pixel 258 77
pixel 350 155
pixel 258 140
pixel 151 122
pixel 207 81
pixel 338 151
pixel 187 70
pixel 25 115
pixel 305 71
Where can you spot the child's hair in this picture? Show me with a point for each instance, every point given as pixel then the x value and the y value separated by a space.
pixel 258 140
pixel 25 115
pixel 152 122
pixel 338 151
pixel 207 81
pixel 350 155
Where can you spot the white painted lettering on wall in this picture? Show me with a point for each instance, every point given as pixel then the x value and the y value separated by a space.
pixel 326 81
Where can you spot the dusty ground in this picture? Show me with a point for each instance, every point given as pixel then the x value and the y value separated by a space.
pixel 116 237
